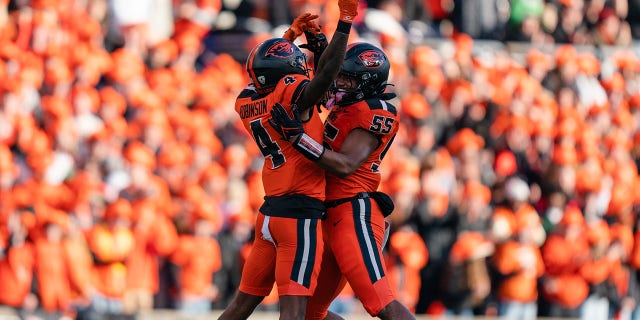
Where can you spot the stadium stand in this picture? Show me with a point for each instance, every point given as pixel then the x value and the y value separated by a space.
pixel 128 187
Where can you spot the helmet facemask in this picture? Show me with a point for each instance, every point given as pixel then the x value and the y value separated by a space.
pixel 367 68
pixel 360 88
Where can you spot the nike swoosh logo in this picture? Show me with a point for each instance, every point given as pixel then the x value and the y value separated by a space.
pixel 335 223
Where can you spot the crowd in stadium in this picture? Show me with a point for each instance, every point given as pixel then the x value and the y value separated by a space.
pixel 127 182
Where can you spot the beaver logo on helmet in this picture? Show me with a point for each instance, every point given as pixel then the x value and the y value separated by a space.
pixel 371 58
pixel 280 49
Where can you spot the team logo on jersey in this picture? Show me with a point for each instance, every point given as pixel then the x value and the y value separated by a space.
pixel 371 58
pixel 289 80
pixel 262 79
pixel 280 49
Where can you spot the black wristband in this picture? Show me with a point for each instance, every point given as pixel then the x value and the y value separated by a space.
pixel 343 27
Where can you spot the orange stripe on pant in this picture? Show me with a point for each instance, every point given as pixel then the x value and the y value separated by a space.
pixel 287 251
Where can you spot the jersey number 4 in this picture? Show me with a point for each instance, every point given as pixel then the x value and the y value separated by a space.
pixel 269 148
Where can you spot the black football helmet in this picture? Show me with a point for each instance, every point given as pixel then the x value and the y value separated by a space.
pixel 271 60
pixel 369 66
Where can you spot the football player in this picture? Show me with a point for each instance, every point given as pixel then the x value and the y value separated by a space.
pixel 358 132
pixel 288 240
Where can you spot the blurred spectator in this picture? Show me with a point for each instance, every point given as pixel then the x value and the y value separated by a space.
pixel 570 25
pixel 51 268
pixel 518 260
pixel 435 222
pixel 406 257
pixel 111 243
pixel 631 299
pixel 142 24
pixel 198 258
pixel 483 19
pixel 612 29
pixel 17 262
pixel 563 288
pixel 80 264
pixel 525 22
pixel 466 281
pixel 634 18
pixel 232 239
pixel 143 264
pixel 597 271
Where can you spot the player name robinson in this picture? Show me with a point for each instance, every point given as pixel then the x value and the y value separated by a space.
pixel 253 109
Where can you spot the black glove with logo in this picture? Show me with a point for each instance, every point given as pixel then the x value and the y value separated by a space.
pixel 316 43
pixel 286 126
pixel 289 128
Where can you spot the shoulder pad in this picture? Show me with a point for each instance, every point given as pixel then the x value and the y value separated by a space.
pixel 377 104
pixel 290 87
pixel 249 92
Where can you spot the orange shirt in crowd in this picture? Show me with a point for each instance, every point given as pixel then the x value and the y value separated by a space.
pixel 634 257
pixel 198 258
pixel 620 279
pixel 523 265
pixel 16 274
pixel 563 259
pixel 111 247
pixel 596 271
pixel 408 247
pixel 142 265
pixel 52 275
pixel 160 194
pixel 80 264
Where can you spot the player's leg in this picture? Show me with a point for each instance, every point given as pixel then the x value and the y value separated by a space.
pixel 333 316
pixel 258 274
pixel 292 307
pixel 241 306
pixel 299 254
pixel 359 255
pixel 330 282
pixel 395 310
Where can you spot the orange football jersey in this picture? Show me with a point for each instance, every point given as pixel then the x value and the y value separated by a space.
pixel 285 170
pixel 376 116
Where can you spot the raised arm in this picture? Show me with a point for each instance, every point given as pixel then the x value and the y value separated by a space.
pixel 331 59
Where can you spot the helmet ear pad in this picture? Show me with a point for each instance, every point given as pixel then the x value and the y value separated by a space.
pixel 369 66
pixel 271 60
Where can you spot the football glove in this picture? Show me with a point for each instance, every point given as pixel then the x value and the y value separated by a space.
pixel 316 43
pixel 286 126
pixel 289 128
pixel 301 24
pixel 348 10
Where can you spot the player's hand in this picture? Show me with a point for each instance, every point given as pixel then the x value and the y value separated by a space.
pixel 292 130
pixel 301 24
pixel 288 128
pixel 316 42
pixel 311 26
pixel 348 10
